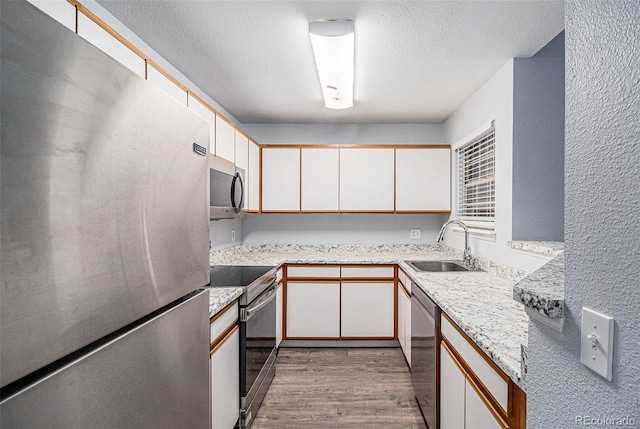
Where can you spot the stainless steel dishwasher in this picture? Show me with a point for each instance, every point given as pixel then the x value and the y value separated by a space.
pixel 425 337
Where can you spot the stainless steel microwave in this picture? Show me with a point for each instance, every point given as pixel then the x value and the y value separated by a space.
pixel 226 190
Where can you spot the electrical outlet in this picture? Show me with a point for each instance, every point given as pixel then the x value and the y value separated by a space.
pixel 415 233
pixel 596 342
pixel 233 235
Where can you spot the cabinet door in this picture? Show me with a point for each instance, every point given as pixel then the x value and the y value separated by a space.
pixel 401 321
pixel 166 85
pixel 477 414
pixel 252 178
pixel 281 179
pixel 104 41
pixel 279 315
pixel 242 161
pixel 423 179
pixel 225 382
pixel 206 114
pixel 404 321
pixel 60 10
pixel 367 309
pixel 225 140
pixel 313 310
pixel 320 179
pixel 452 392
pixel 366 180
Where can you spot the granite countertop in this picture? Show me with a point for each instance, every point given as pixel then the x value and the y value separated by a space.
pixel 549 248
pixel 543 290
pixel 480 303
pixel 220 297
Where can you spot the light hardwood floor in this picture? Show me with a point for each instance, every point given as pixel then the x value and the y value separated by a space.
pixel 340 388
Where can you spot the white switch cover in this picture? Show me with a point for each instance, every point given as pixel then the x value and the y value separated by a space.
pixel 596 345
pixel 233 235
pixel 415 233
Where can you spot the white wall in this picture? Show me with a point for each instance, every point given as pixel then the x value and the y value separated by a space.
pixel 368 134
pixel 493 101
pixel 538 144
pixel 339 228
pixel 602 226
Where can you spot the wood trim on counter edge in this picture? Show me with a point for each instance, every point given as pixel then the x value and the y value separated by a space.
pixel 479 386
pixel 228 333
pixel 491 363
pixel 221 312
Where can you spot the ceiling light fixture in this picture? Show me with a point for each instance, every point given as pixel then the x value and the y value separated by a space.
pixel 333 49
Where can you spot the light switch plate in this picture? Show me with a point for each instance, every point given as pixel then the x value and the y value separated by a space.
pixel 596 342
pixel 415 233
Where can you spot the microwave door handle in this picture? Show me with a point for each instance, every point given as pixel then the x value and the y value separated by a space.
pixel 237 178
pixel 241 191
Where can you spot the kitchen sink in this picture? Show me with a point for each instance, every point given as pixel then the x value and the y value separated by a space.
pixel 439 266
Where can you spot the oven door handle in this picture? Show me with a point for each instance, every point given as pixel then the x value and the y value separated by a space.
pixel 247 313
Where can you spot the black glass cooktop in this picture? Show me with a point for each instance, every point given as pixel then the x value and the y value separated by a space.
pixel 236 276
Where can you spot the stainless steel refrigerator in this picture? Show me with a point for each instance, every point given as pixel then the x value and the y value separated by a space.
pixel 104 239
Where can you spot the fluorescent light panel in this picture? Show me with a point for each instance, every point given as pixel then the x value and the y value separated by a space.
pixel 333 49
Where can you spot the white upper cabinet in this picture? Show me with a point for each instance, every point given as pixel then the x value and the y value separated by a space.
pixel 366 180
pixel 320 179
pixel 225 140
pixel 281 179
pixel 206 114
pixel 242 151
pixel 252 178
pixel 60 10
pixel 104 41
pixel 242 161
pixel 423 179
pixel 167 85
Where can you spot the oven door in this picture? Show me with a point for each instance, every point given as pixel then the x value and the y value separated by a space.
pixel 257 352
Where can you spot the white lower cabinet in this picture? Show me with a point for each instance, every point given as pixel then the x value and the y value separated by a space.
pixel 476 413
pixel 452 388
pixel 367 309
pixel 225 382
pixel 461 404
pixel 404 322
pixel 279 315
pixel 313 309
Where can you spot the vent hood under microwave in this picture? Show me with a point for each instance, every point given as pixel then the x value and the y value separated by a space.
pixel 226 190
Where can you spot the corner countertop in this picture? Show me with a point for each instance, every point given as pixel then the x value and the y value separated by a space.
pixel 480 303
pixel 543 290
pixel 220 297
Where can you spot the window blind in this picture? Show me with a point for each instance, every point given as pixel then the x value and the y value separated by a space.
pixel 476 181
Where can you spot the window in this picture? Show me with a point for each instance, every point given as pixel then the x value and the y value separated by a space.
pixel 476 181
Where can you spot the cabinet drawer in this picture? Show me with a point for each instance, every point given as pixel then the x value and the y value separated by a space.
pixel 368 272
pixel 314 272
pixel 221 321
pixel 494 382
pixel 405 280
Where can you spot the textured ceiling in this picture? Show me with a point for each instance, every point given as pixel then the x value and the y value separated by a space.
pixel 416 61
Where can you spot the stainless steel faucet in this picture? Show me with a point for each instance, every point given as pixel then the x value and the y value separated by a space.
pixel 466 258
